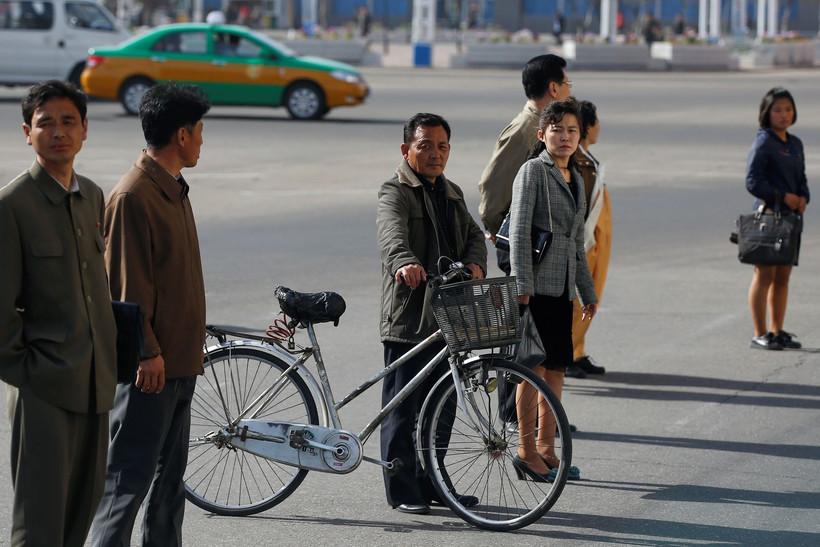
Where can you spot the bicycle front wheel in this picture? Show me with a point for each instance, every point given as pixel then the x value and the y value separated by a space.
pixel 471 453
pixel 219 477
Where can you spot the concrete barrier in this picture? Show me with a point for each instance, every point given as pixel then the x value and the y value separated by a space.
pixel 484 55
pixel 693 56
pixel 354 52
pixel 784 54
pixel 607 56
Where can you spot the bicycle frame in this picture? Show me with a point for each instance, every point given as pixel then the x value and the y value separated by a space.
pixel 255 407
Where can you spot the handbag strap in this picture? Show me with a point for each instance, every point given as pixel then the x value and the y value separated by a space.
pixel 549 201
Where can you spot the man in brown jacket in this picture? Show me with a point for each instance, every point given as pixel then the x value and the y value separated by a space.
pixel 57 332
pixel 152 255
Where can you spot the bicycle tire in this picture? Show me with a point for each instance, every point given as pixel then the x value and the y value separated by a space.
pixel 469 463
pixel 233 377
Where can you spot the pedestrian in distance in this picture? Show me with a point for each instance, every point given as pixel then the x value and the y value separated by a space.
pixel 545 79
pixel 558 27
pixel 549 193
pixel 152 255
pixel 57 330
pixel 776 176
pixel 597 234
pixel 422 217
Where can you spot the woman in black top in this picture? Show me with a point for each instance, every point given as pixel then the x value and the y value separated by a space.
pixel 776 176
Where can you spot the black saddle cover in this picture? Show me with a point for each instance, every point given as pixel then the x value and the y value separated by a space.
pixel 320 307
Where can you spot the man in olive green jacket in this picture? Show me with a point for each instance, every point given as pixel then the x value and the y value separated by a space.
pixel 57 332
pixel 422 216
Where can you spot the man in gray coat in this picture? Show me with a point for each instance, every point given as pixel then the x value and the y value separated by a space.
pixel 57 332
pixel 422 216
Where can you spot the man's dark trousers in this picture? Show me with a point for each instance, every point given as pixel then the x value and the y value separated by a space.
pixel 410 484
pixel 149 438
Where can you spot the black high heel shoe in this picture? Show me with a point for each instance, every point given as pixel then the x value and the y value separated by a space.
pixel 523 471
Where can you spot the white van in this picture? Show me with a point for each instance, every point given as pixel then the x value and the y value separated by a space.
pixel 49 39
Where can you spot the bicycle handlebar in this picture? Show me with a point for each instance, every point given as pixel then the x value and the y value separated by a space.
pixel 434 281
pixel 456 269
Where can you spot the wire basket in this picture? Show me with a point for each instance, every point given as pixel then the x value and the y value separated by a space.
pixel 478 314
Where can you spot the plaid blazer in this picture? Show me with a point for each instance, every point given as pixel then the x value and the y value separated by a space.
pixel 566 261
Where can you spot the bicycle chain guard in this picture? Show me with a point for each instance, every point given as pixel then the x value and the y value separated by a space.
pixel 306 446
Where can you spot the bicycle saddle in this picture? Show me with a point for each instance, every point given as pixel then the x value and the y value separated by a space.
pixel 319 307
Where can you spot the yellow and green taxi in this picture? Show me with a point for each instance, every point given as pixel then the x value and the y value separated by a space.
pixel 232 64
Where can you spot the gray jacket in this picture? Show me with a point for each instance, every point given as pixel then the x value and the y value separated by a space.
pixel 407 235
pixel 565 261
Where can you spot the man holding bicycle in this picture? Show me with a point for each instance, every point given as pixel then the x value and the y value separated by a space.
pixel 422 218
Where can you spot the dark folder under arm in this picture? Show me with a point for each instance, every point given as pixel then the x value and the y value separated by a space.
pixel 129 339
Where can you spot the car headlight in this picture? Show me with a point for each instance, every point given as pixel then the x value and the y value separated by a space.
pixel 349 77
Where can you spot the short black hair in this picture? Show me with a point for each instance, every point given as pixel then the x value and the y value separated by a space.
pixel 556 111
pixel 768 101
pixel 41 93
pixel 165 108
pixel 424 119
pixel 588 117
pixel 539 72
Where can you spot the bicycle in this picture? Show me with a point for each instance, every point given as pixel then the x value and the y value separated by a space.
pixel 260 420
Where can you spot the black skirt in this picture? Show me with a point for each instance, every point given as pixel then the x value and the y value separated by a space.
pixel 553 319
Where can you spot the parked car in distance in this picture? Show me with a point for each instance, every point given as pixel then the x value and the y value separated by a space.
pixel 49 39
pixel 232 64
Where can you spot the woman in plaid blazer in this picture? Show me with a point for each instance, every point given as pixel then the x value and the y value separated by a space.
pixel 549 193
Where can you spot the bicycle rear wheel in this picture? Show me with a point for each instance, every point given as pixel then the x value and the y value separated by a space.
pixel 472 455
pixel 223 479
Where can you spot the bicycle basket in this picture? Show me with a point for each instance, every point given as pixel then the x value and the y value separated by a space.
pixel 478 314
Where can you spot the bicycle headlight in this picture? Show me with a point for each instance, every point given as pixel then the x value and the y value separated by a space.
pixel 348 77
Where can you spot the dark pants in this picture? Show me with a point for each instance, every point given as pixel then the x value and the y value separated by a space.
pixel 410 484
pixel 57 460
pixel 149 449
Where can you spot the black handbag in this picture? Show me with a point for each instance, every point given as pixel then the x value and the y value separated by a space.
pixel 129 339
pixel 769 239
pixel 530 352
pixel 541 239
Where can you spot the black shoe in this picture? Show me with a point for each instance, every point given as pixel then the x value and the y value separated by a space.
pixel 523 471
pixel 787 340
pixel 413 509
pixel 767 341
pixel 586 364
pixel 574 371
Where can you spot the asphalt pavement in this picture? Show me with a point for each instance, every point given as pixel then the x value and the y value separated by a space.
pixel 690 438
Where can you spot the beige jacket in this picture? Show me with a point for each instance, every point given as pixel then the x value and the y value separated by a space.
pixel 514 146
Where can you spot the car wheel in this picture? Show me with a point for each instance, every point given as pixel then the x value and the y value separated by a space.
pixel 305 101
pixel 131 94
pixel 74 75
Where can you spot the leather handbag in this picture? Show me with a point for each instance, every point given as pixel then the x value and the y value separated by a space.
pixel 541 239
pixel 129 339
pixel 769 238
